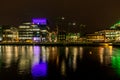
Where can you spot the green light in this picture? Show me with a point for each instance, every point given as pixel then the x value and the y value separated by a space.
pixel 115 25
pixel 116 64
pixel 115 60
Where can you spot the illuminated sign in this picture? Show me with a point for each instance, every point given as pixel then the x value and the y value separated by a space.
pixel 39 21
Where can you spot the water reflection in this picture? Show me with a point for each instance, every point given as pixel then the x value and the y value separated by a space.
pixel 24 60
pixel 42 61
pixel 81 52
pixel 116 60
pixel 107 55
pixel 39 64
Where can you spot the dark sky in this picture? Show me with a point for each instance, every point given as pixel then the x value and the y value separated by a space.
pixel 95 14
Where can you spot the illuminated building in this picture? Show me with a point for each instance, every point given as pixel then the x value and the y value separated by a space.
pixel 111 35
pixel 104 35
pixel 1 33
pixel 39 21
pixel 61 36
pixel 44 29
pixel 96 37
pixel 35 31
pixel 10 34
pixel 72 37
pixel 29 31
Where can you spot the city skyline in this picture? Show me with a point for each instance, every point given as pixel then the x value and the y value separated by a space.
pixel 96 15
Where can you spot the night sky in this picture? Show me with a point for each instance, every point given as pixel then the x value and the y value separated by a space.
pixel 95 14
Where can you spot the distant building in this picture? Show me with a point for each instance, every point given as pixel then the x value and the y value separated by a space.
pixel 1 33
pixel 72 37
pixel 104 35
pixel 61 36
pixel 10 34
pixel 111 35
pixel 96 37
pixel 36 31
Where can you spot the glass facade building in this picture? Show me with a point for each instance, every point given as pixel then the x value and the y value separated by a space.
pixel 29 31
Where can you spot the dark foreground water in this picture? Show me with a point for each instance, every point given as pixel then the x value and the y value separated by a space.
pixel 59 63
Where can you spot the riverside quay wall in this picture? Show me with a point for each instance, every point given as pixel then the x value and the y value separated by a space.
pixel 63 44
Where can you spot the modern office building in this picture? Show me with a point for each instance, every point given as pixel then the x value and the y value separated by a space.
pixel 43 26
pixel 35 31
pixel 29 32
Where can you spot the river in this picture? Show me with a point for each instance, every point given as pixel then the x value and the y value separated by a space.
pixel 59 62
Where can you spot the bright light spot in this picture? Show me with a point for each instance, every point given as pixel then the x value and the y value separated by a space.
pixel 90 52
pixel 62 18
pixel 74 24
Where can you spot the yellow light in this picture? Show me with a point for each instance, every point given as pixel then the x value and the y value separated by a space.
pixel 63 68
pixel 90 52
pixel 81 52
pixel 66 51
pixel 101 50
pixel 106 44
pixel 110 47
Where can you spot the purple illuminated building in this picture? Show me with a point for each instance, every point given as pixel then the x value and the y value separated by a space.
pixel 39 21
pixel 43 26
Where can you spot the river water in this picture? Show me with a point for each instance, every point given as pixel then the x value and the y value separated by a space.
pixel 59 62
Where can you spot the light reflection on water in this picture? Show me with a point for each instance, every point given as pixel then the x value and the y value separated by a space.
pixel 116 60
pixel 36 60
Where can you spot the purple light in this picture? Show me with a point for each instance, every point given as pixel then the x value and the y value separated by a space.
pixel 36 50
pixel 40 21
pixel 39 70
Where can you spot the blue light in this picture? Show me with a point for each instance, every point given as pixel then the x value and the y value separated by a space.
pixel 39 70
